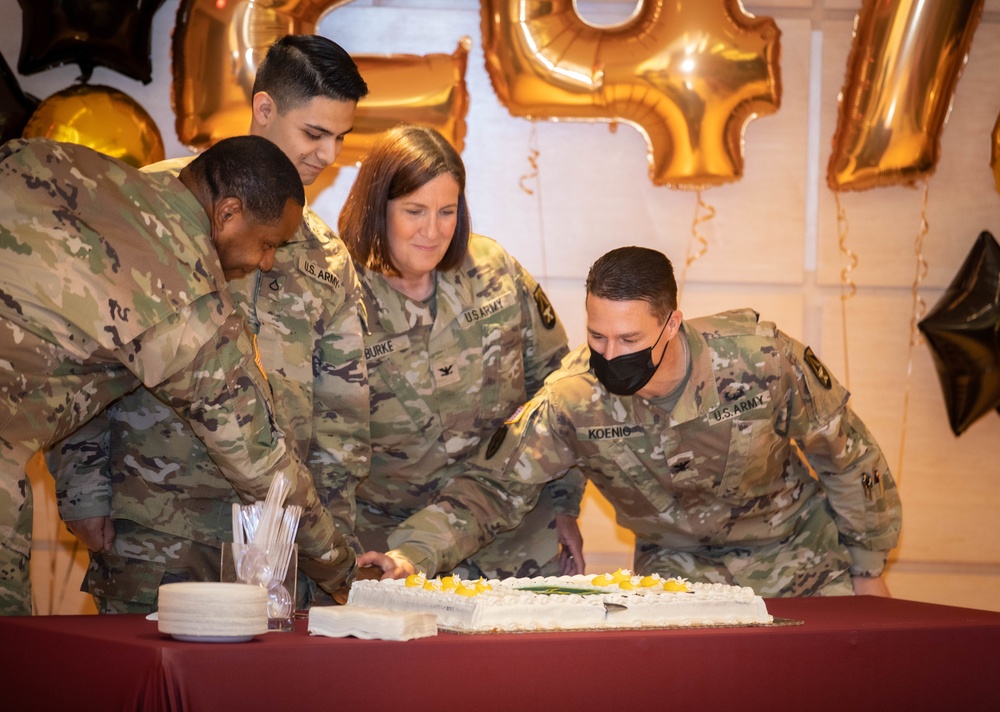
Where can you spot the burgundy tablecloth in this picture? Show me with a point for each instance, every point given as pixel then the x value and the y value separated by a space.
pixel 850 653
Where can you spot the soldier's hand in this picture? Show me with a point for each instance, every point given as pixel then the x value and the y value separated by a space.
pixel 571 561
pixel 393 565
pixel 96 533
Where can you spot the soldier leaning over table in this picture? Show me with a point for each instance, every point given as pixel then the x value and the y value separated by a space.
pixel 693 431
pixel 152 483
pixel 111 278
pixel 459 334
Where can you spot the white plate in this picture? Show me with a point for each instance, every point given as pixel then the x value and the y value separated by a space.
pixel 212 638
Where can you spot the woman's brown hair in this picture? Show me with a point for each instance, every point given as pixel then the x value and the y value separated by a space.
pixel 401 161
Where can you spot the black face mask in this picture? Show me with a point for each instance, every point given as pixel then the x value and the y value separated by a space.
pixel 624 375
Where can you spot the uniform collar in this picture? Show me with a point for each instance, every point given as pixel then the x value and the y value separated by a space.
pixel 398 313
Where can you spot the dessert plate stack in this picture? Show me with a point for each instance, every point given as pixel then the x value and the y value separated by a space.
pixel 212 612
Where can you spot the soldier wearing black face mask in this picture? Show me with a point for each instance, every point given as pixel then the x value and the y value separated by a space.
pixel 624 375
pixel 697 452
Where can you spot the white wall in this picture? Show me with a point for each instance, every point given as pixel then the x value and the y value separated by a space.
pixel 773 245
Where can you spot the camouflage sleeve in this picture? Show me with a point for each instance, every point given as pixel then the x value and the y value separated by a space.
pixel 567 492
pixel 545 345
pixel 500 485
pixel 80 466
pixel 542 333
pixel 848 462
pixel 340 453
pixel 224 396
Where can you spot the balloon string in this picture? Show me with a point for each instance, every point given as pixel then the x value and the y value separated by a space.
pixel 533 154
pixel 919 309
pixel 695 254
pixel 534 175
pixel 847 287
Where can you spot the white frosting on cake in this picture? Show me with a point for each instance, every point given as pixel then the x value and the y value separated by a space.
pixel 212 609
pixel 626 602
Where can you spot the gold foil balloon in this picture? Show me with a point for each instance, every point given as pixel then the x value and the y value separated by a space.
pixel 904 64
pixel 101 118
pixel 217 45
pixel 688 74
pixel 416 89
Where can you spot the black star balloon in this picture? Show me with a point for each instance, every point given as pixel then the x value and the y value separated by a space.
pixel 16 107
pixel 963 330
pixel 109 33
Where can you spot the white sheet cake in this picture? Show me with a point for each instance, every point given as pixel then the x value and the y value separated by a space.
pixel 618 600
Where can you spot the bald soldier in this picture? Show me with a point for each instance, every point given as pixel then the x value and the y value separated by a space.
pixel 692 430
pixel 110 278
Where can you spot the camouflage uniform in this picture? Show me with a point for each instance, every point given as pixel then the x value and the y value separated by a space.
pixel 441 381
pixel 147 470
pixel 109 280
pixel 714 490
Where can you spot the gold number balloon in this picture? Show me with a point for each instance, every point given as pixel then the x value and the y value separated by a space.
pixel 218 43
pixel 416 89
pixel 101 118
pixel 904 64
pixel 688 74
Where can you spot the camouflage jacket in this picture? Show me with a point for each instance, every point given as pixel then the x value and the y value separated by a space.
pixel 145 466
pixel 442 382
pixel 114 275
pixel 720 470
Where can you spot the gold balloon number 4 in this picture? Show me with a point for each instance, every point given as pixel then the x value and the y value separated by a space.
pixel 687 74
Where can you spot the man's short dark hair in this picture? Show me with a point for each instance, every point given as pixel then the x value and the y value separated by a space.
pixel 635 274
pixel 298 68
pixel 254 170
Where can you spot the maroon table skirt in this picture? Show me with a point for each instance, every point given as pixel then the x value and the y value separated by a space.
pixel 849 653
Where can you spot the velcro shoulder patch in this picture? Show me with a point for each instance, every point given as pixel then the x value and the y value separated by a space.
pixel 319 272
pixel 818 369
pixel 545 310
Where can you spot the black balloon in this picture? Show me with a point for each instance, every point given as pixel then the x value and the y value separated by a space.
pixel 109 33
pixel 16 107
pixel 963 330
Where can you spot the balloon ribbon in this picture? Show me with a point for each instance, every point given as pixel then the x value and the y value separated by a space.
pixel 533 175
pixel 847 287
pixel 697 238
pixel 919 309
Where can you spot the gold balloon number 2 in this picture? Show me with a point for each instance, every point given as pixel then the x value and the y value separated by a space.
pixel 216 48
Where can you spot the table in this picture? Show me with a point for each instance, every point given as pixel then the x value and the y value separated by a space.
pixel 849 653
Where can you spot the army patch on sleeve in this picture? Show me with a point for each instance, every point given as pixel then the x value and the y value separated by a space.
pixel 496 441
pixel 822 375
pixel 319 272
pixel 545 310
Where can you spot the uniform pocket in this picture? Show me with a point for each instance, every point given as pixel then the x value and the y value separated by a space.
pixel 640 489
pixel 503 371
pixel 124 578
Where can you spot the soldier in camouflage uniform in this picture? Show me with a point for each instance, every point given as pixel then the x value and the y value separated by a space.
pixel 693 431
pixel 459 335
pixel 147 472
pixel 109 279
